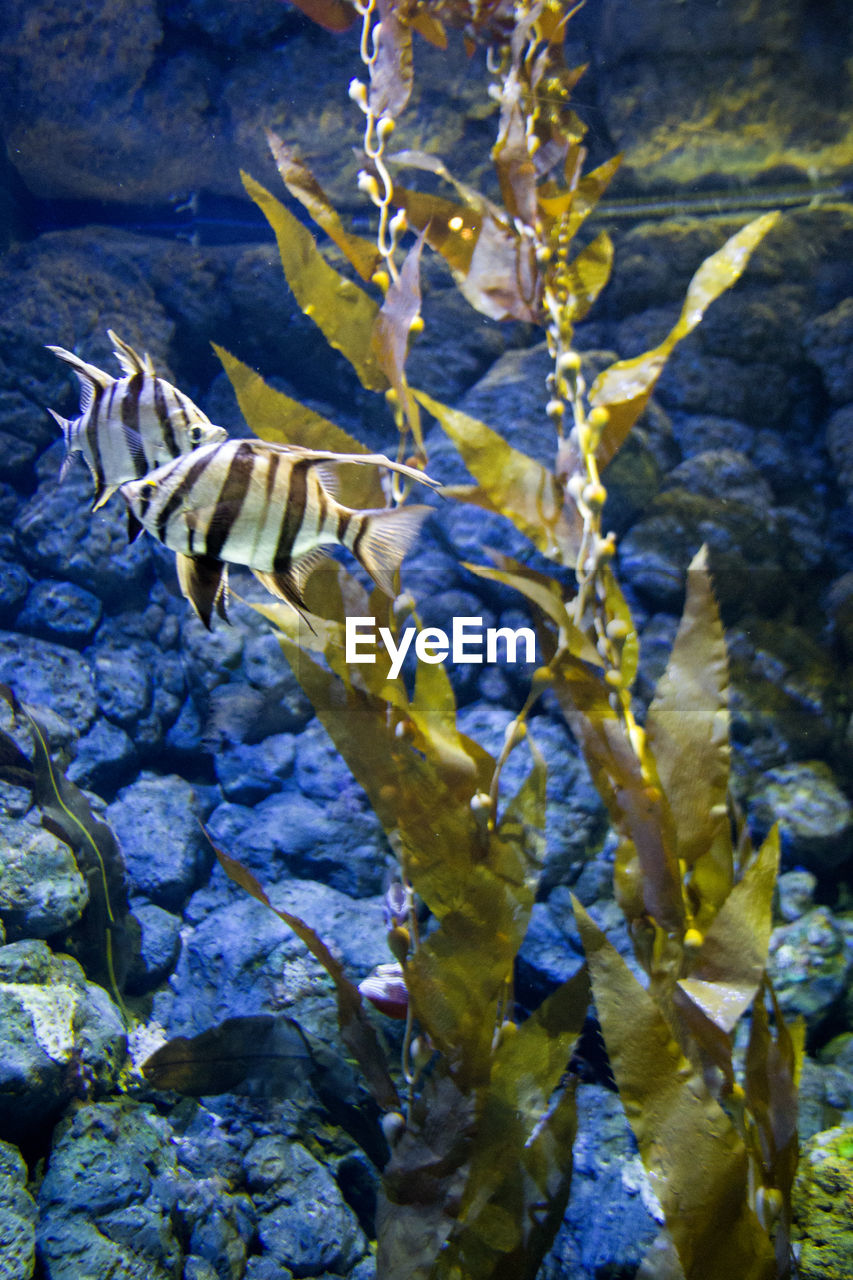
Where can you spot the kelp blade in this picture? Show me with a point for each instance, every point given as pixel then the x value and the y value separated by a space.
pixel 342 311
pixel 696 1159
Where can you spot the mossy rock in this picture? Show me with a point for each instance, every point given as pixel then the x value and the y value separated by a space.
pixel 823 1206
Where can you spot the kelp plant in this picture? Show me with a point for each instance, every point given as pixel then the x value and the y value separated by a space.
pixel 481 1119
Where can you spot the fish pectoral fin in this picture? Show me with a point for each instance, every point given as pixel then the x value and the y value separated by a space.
pixel 204 582
pixel 104 496
pixel 384 539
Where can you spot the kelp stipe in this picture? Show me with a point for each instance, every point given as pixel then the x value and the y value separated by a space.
pixel 481 1145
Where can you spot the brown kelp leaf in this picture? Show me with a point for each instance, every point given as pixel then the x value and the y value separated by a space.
pixel 342 311
pixel 688 720
pixel 261 1054
pixel 729 966
pixel 451 229
pixel 625 387
pixel 515 484
pixel 423 1180
pixel 697 1161
pixel 392 329
pixel 334 15
pixel 100 941
pixel 528 1064
pixel 774 1060
pixel 304 187
pixel 503 280
pixel 391 73
pixel 275 417
pixel 636 805
pixel 357 1032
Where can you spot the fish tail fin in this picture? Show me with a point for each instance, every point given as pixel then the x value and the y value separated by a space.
pixel 66 427
pixel 380 539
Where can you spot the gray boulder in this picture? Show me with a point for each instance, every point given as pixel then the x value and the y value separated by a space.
pixel 41 888
pixel 61 1036
pixel 17 1217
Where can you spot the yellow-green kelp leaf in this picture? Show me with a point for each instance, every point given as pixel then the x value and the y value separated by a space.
pixel 688 722
pixel 729 966
pixel 697 1163
pixel 304 187
pixel 574 205
pixel 586 275
pixel 459 974
pixel 514 483
pixel 357 1031
pixel 275 417
pixel 625 387
pixel 544 592
pixel 634 801
pixel 342 311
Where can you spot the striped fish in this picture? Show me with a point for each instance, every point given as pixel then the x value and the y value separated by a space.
pixel 271 508
pixel 129 425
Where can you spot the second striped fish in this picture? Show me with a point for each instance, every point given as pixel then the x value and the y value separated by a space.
pixel 271 508
pixel 128 426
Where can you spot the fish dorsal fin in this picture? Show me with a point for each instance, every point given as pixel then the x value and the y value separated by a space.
pixel 128 359
pixel 362 460
pixel 384 539
pixel 89 376
pixel 204 582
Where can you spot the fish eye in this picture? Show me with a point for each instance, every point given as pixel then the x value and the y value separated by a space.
pixel 195 434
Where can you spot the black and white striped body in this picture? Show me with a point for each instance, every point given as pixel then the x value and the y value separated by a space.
pixel 269 507
pixel 129 426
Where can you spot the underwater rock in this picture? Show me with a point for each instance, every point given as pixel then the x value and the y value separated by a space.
pixel 50 676
pixel 823 1205
pixel 839 442
pixel 61 612
pixel 248 773
pixel 836 1059
pixel 782 696
pixel 815 817
pixel 58 535
pixel 17 1217
pixel 750 561
pixel 116 1200
pixel 61 1037
pixel 159 947
pixel 303 1221
pixel 41 888
pixel 338 841
pixel 809 966
pixel 795 893
pixel 238 958
pixel 105 759
pixel 156 822
pixel 829 342
pixel 613 1214
pixel 550 954
pixel 15 584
